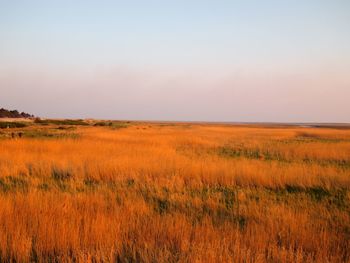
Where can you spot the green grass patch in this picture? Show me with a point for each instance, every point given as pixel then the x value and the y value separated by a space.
pixel 61 122
pixel 104 124
pixel 232 152
pixel 48 134
pixel 7 124
pixel 112 124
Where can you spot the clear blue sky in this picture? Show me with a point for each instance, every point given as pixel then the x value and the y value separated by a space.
pixel 177 60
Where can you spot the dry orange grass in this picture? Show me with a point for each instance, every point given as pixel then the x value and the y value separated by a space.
pixel 176 193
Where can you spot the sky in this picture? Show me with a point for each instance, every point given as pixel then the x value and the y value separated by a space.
pixel 231 61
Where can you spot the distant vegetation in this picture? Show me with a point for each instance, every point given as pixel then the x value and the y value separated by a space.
pixel 115 124
pixel 60 122
pixel 14 114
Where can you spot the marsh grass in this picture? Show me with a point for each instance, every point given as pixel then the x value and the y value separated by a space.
pixel 49 134
pixel 267 155
pixel 172 193
pixel 60 122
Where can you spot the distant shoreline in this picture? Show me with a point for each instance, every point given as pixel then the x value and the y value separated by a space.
pixel 269 124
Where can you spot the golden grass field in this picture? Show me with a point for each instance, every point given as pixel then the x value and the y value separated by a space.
pixel 174 192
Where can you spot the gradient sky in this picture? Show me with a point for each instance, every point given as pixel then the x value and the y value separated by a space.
pixel 264 61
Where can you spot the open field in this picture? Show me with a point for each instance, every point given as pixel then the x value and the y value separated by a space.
pixel 162 192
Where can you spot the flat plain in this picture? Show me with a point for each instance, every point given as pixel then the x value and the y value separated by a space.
pixel 108 191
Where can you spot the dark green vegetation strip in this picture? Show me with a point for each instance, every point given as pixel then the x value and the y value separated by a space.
pixel 49 134
pixel 227 151
pixel 330 197
pixel 40 134
pixel 4 125
pixel 61 122
pixel 111 124
pixel 307 137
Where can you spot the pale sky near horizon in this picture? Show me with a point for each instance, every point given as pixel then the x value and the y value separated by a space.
pixel 254 61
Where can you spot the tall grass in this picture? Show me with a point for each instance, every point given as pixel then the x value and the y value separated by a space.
pixel 177 193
